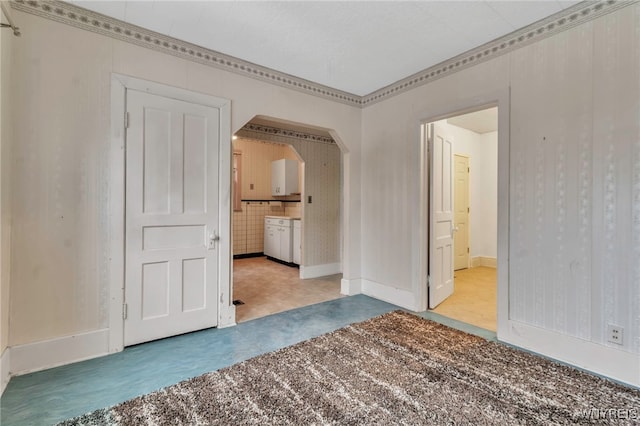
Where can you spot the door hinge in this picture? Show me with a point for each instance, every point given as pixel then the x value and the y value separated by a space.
pixel 468 209
pixel 126 120
pixel 467 249
pixel 124 311
pixel 428 281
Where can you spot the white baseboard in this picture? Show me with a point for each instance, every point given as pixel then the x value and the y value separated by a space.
pixel 350 287
pixel 53 353
pixel 402 298
pixel 599 359
pixel 490 262
pixel 227 316
pixel 316 271
pixel 5 370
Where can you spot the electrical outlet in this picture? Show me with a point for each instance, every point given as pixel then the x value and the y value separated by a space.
pixel 615 334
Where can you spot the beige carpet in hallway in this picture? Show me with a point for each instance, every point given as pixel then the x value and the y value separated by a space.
pixel 474 298
pixel 267 287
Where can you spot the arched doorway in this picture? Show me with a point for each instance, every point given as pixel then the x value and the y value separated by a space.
pixel 264 285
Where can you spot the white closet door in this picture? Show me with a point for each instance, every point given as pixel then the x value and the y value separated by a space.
pixel 172 259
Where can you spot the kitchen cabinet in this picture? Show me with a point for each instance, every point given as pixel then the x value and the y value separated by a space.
pixel 278 238
pixel 271 240
pixel 284 177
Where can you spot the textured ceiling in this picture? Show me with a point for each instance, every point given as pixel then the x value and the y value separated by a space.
pixel 354 46
pixel 483 121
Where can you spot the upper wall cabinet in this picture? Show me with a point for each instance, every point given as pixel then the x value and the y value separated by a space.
pixel 284 177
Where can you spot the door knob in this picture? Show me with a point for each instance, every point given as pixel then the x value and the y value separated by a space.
pixel 213 237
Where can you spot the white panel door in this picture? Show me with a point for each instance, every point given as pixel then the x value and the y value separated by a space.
pixel 461 207
pixel 441 216
pixel 172 219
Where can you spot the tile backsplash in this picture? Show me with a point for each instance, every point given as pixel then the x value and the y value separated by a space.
pixel 293 209
pixel 248 224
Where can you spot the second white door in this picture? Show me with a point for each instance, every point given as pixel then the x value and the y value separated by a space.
pixel 441 227
pixel 461 205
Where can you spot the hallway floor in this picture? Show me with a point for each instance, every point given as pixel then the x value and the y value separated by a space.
pixel 266 287
pixel 474 299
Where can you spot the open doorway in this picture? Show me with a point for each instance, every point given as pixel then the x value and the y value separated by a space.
pixel 463 216
pixel 287 246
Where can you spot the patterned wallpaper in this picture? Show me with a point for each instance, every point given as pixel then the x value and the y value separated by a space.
pixel 575 181
pixel 91 21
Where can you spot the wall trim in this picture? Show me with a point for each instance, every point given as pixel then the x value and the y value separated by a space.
pixel 60 351
pixel 561 21
pixel 620 365
pixel 79 17
pixel 397 296
pixel 285 133
pixel 5 369
pixel 350 287
pixel 489 262
pixel 315 271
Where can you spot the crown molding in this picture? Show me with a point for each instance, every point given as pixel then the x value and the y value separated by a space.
pixel 250 129
pixel 79 17
pixel 556 23
pixel 76 16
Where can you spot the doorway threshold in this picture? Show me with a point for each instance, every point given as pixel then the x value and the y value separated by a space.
pixel 459 325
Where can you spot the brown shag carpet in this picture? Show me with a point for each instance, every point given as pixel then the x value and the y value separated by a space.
pixel 392 369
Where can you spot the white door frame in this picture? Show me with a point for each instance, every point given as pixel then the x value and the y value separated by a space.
pixel 116 268
pixel 501 99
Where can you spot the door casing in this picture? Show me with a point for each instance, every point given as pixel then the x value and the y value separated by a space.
pixel 119 85
pixel 448 109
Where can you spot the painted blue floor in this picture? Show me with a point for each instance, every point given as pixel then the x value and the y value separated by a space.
pixel 53 395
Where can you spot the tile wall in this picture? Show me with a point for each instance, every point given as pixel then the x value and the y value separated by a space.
pixel 248 224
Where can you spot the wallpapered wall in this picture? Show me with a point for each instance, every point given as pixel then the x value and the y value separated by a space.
pixel 574 178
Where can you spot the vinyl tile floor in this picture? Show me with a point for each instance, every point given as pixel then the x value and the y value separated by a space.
pixel 474 300
pixel 267 287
